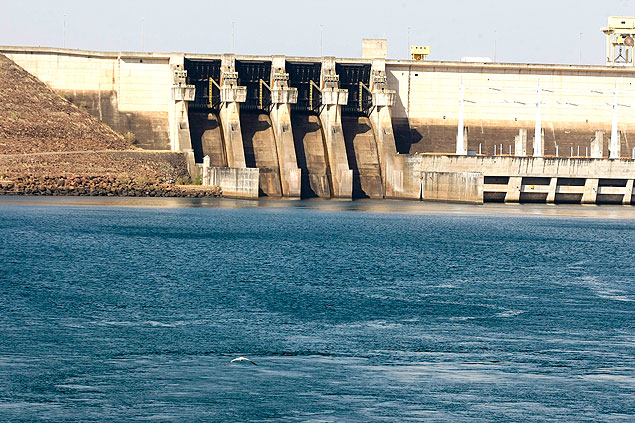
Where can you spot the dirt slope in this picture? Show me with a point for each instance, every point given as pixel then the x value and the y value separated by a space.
pixel 34 119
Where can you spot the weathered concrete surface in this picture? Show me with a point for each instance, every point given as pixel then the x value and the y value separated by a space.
pixel 151 128
pixel 529 166
pixel 131 92
pixel 363 157
pixel 235 183
pixel 589 196
pixel 232 136
pixel 261 152
pixel 207 138
pixel 406 177
pixel 463 187
pixel 311 155
pixel 282 97
pixel 340 174
pixel 290 174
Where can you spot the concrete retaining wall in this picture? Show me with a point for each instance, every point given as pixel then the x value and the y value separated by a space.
pixel 529 166
pixel 463 187
pixel 235 182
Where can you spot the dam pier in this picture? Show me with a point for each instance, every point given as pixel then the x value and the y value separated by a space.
pixel 301 127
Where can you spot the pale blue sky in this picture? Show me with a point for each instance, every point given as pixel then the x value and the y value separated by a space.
pixel 538 31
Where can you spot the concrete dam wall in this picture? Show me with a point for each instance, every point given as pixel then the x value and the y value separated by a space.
pixel 364 128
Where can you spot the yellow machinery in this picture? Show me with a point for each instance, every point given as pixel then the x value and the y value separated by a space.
pixel 620 41
pixel 419 52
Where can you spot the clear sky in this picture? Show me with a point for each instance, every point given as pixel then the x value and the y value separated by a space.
pixel 534 31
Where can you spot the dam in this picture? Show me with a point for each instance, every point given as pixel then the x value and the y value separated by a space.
pixel 369 127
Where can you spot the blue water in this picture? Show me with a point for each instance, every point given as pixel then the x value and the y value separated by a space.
pixel 350 311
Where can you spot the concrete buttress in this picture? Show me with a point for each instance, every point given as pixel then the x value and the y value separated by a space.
pixel 282 96
pixel 333 98
pixel 231 95
pixel 381 120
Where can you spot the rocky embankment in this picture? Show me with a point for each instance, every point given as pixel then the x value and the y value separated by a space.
pixel 101 186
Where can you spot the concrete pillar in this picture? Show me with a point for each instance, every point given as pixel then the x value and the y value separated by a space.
pixel 391 169
pixel 333 98
pixel 520 143
pixel 597 145
pixel 206 171
pixel 539 137
pixel 590 193
pixel 628 194
pixel 539 145
pixel 181 93
pixel 614 148
pixel 231 95
pixel 513 189
pixel 553 185
pixel 461 140
pixel 282 96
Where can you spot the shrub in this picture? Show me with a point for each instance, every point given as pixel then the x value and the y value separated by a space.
pixel 130 138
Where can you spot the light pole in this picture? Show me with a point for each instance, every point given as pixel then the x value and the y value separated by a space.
pixel 233 37
pixel 321 40
pixel 143 33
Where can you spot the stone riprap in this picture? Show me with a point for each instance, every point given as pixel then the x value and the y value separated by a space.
pixel 101 186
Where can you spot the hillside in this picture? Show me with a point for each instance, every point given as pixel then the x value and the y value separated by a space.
pixel 34 119
pixel 49 146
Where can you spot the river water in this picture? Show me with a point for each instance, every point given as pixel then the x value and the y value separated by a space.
pixel 131 310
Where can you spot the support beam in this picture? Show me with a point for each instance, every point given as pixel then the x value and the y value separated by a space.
pixel 282 96
pixel 391 170
pixel 538 134
pixel 597 145
pixel 333 98
pixel 181 93
pixel 231 95
pixel 590 193
pixel 513 189
pixel 553 186
pixel 628 194
pixel 614 149
pixel 461 141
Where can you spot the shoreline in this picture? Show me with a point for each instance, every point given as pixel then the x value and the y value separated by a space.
pixel 376 207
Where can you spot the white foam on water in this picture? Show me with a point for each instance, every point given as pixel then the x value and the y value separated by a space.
pixel 510 313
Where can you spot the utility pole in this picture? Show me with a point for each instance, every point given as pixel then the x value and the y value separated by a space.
pixel 321 40
pixel 495 45
pixel 580 48
pixel 64 42
pixel 408 51
pixel 233 37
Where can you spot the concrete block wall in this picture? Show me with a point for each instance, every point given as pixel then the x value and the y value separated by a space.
pixel 234 182
pixel 129 92
pixel 576 102
pixel 461 187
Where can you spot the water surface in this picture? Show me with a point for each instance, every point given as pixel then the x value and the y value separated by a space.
pixel 131 310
